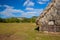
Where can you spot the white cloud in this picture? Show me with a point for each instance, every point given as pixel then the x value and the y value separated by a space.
pixel 42 1
pixel 32 12
pixel 28 3
pixel 10 10
pixel 45 0
pixel 28 8
pixel 7 6
pixel 28 14
pixel 33 9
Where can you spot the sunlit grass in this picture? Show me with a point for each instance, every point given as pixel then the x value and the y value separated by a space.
pixel 25 31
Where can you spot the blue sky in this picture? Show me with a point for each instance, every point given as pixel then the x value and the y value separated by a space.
pixel 22 8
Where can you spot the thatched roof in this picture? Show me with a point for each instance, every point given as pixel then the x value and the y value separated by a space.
pixel 47 9
pixel 51 13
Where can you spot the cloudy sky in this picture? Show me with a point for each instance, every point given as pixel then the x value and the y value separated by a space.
pixel 22 8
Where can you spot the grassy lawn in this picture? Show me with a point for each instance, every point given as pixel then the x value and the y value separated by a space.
pixel 23 31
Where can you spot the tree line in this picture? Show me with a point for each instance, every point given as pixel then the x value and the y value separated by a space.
pixel 18 20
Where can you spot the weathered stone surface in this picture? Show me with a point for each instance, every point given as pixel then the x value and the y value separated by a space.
pixel 51 15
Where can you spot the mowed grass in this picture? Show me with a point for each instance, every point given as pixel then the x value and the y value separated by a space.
pixel 23 31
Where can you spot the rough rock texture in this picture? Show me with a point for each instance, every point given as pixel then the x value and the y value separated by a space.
pixel 49 20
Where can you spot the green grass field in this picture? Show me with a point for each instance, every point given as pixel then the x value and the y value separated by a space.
pixel 23 31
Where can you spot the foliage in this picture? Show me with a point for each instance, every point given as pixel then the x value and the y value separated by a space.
pixel 18 20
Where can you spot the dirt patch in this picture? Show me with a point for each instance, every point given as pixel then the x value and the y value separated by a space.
pixel 12 37
pixel 5 36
